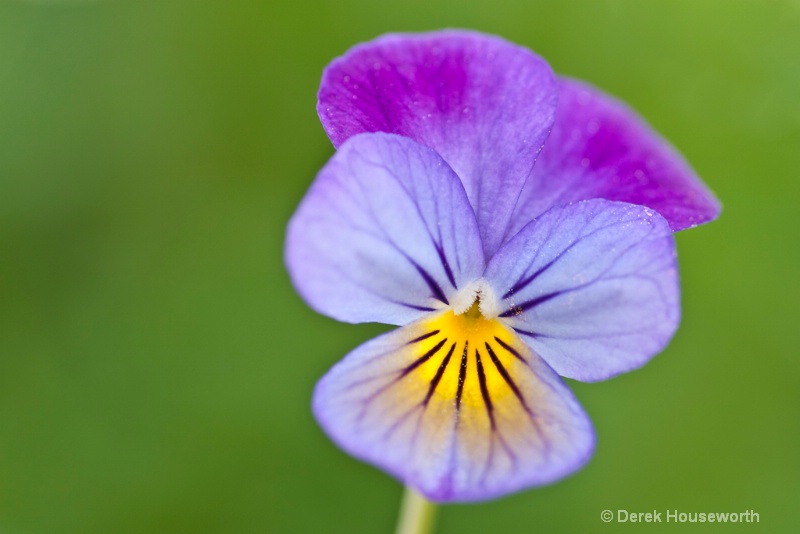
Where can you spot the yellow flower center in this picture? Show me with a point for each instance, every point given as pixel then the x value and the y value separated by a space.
pixel 473 354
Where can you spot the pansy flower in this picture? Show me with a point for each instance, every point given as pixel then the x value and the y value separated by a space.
pixel 502 275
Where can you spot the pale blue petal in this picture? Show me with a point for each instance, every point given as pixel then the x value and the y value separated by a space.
pixel 385 233
pixel 592 287
pixel 454 418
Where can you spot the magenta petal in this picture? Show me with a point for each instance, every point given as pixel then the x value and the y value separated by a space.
pixel 600 148
pixel 484 104
pixel 385 233
pixel 592 287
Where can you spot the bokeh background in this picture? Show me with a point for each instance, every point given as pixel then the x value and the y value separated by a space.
pixel 155 364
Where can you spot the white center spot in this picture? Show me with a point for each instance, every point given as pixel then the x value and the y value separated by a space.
pixel 481 291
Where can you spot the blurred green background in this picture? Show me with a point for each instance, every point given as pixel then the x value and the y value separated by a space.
pixel 156 366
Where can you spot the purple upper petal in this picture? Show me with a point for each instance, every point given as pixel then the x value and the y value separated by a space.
pixel 484 104
pixel 592 287
pixel 385 233
pixel 600 148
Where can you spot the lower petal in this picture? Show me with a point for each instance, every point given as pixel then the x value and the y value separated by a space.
pixel 458 407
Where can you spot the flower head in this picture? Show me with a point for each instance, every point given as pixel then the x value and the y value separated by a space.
pixel 503 275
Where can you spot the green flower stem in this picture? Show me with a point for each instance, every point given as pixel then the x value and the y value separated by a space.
pixel 417 515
